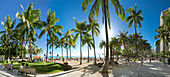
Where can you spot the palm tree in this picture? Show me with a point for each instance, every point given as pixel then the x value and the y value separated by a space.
pixel 163 31
pixel 104 4
pixel 94 27
pixel 115 45
pixel 103 45
pixel 163 35
pixel 5 43
pixel 123 37
pixel 81 30
pixel 22 39
pixel 16 37
pixel 135 18
pixel 67 38
pixel 53 40
pixel 88 40
pixel 29 22
pixel 61 44
pixel 8 26
pixel 50 28
pixel 144 47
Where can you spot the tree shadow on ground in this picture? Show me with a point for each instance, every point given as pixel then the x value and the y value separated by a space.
pixel 138 70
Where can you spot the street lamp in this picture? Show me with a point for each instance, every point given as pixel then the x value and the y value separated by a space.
pixel 51 55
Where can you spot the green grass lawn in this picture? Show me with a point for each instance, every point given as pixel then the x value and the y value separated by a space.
pixel 41 67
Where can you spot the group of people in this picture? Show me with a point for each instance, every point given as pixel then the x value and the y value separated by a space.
pixel 165 61
pixel 22 66
pixel 12 65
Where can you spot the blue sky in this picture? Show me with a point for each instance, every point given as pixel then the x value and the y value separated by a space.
pixel 67 9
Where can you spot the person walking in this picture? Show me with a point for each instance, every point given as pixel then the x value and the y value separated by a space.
pixel 150 60
pixel 142 61
pixel 165 62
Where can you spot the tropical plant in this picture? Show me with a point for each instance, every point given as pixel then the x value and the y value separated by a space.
pixel 81 30
pixel 61 45
pixel 123 37
pixel 9 28
pixel 104 4
pixel 29 22
pixel 94 27
pixel 66 40
pixel 50 28
pixel 52 41
pixel 89 41
pixel 115 47
pixel 135 18
pixel 103 45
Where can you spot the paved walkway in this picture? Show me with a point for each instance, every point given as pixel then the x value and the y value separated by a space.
pixel 155 69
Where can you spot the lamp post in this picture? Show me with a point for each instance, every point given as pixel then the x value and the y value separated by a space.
pixel 44 55
pixel 51 55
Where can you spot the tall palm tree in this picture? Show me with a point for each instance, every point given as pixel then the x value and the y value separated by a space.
pixel 135 18
pixel 22 39
pixel 115 45
pixel 104 4
pixel 88 40
pixel 103 45
pixel 61 44
pixel 144 47
pixel 163 34
pixel 16 37
pixel 50 28
pixel 81 30
pixel 94 27
pixel 9 28
pixel 52 41
pixel 5 43
pixel 29 22
pixel 67 38
pixel 123 37
pixel 163 31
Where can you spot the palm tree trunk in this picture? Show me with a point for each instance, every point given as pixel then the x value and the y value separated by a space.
pixel 52 54
pixel 16 50
pixel 105 69
pixel 126 50
pixel 88 54
pixel 70 51
pixel 22 51
pixel 117 55
pixel 47 48
pixel 111 53
pixel 30 51
pixel 94 46
pixel 164 49
pixel 80 50
pixel 67 53
pixel 9 52
pixel 62 53
pixel 136 43
pixel 104 52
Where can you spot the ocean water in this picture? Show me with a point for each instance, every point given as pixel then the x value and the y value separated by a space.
pixel 69 57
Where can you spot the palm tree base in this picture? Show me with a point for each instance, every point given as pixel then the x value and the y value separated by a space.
pixel 105 69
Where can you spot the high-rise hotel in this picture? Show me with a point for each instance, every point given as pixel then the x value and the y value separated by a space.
pixel 161 46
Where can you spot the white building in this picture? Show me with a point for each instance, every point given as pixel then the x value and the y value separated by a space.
pixel 162 45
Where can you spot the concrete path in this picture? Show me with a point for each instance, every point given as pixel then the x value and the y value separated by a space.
pixel 6 73
pixel 155 69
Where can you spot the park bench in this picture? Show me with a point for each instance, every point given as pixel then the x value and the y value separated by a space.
pixel 27 71
pixel 7 66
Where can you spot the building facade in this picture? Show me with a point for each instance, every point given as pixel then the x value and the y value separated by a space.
pixel 162 45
